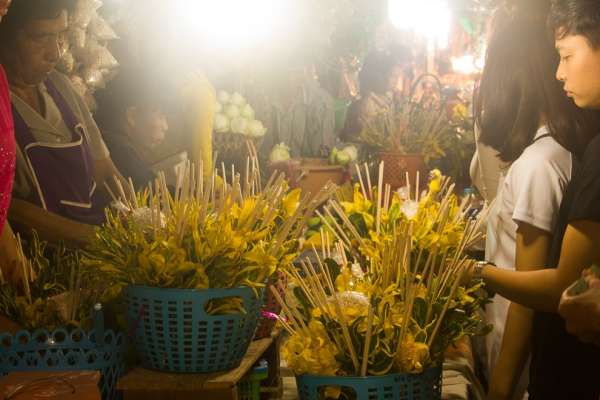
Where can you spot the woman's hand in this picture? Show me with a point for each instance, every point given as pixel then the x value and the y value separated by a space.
pixel 582 312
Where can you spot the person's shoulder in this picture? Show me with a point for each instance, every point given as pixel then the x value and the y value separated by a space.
pixel 594 147
pixel 591 156
pixel 543 152
pixel 64 85
pixel 58 78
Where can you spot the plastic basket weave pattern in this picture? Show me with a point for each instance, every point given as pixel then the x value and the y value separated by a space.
pixel 425 386
pixel 63 350
pixel 173 332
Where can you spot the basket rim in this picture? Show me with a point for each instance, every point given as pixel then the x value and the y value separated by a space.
pixel 431 370
pixel 32 332
pixel 179 290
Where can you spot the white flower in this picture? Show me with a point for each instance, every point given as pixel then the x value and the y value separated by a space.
pixel 356 300
pixel 223 97
pixel 232 111
pixel 144 217
pixel 410 208
pixel 239 125
pixel 238 99
pixel 357 271
pixel 404 193
pixel 248 112
pixel 221 123
pixel 279 153
pixel 352 152
pixel 256 129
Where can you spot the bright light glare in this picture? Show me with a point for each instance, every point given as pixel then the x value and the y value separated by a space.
pixel 468 64
pixel 429 18
pixel 234 24
pixel 480 62
pixel 464 65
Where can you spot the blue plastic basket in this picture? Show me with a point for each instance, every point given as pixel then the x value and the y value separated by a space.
pixel 425 386
pixel 172 331
pixel 63 350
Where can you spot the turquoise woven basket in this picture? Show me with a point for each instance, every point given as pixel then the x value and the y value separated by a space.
pixel 63 350
pixel 425 386
pixel 172 331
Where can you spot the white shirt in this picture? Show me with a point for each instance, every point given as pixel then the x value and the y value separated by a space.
pixel 485 169
pixel 530 192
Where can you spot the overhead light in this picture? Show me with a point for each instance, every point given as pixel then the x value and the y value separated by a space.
pixel 428 18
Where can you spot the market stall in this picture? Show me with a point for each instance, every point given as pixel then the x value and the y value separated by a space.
pixel 297 235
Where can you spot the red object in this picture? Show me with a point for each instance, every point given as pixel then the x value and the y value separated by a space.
pixel 7 148
pixel 267 321
pixel 311 174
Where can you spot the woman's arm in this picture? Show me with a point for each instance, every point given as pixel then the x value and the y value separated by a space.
pixel 9 258
pixel 533 245
pixel 541 290
pixel 50 227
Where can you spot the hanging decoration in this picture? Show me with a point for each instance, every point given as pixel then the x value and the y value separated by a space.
pixel 86 58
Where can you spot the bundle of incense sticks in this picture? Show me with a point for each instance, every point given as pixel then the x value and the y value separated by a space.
pixel 396 270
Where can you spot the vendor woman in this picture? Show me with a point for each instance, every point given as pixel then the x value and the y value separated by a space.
pixel 62 162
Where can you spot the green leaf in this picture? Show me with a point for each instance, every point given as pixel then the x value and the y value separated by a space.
pixel 333 268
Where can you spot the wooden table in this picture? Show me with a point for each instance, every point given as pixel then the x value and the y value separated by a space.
pixel 51 385
pixel 143 384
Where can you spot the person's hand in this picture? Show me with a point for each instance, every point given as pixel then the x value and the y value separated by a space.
pixel 468 273
pixel 10 260
pixel 582 312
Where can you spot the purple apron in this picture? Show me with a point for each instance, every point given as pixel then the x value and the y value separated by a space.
pixel 62 172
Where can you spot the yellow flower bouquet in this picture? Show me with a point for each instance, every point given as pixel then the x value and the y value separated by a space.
pixel 388 296
pixel 210 234
pixel 440 219
pixel 192 265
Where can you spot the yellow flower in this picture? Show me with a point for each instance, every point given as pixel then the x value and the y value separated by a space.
pixel 313 353
pixel 464 296
pixel 460 112
pixel 243 212
pixel 290 202
pixel 359 203
pixel 413 356
pixel 347 281
pixel 421 292
pixel 344 281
